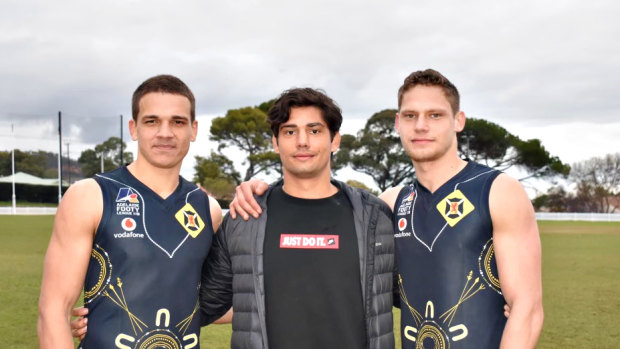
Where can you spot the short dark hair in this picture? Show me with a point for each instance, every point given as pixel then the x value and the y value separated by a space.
pixel 165 84
pixel 430 77
pixel 279 113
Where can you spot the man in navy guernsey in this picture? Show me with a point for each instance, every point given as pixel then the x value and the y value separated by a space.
pixel 459 229
pixel 134 238
pixel 466 236
pixel 315 270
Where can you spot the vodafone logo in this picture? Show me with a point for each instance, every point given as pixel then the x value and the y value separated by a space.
pixel 402 224
pixel 128 224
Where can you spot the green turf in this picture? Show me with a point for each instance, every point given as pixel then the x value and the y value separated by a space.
pixel 581 279
pixel 581 283
pixel 23 240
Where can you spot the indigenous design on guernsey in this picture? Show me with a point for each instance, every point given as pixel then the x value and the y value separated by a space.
pixel 143 277
pixel 450 291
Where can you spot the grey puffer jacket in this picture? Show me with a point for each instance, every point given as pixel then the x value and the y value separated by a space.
pixel 233 273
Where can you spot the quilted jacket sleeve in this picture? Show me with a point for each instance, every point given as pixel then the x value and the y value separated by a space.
pixel 216 292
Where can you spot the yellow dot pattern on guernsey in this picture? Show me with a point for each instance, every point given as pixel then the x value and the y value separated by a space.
pixel 102 273
pixel 100 256
pixel 486 260
pixel 434 333
pixel 487 267
pixel 160 341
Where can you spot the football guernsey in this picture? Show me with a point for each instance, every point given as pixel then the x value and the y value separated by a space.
pixel 313 289
pixel 141 287
pixel 449 286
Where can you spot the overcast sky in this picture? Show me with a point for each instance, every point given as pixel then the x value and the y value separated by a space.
pixel 541 69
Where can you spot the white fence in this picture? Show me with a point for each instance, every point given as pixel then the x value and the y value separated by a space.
pixel 541 216
pixel 28 210
pixel 569 216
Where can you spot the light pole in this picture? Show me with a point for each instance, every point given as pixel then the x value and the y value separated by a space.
pixel 13 198
pixel 69 162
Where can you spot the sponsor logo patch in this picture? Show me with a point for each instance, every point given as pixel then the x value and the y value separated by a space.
pixel 402 224
pixel 127 195
pixel 127 202
pixel 455 207
pixel 128 224
pixel 410 197
pixel 190 220
pixel 405 205
pixel 128 234
pixel 309 241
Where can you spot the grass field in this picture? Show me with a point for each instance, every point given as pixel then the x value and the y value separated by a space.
pixel 581 278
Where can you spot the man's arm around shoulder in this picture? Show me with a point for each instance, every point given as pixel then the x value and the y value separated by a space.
pixel 66 261
pixel 518 254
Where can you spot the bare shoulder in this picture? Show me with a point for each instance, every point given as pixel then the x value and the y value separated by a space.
pixel 84 195
pixel 216 213
pixel 505 184
pixel 507 191
pixel 389 196
pixel 508 202
pixel 81 206
pixel 85 186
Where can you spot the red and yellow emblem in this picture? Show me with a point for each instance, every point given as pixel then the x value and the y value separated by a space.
pixel 455 207
pixel 190 220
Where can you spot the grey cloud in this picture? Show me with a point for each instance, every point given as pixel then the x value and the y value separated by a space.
pixel 539 61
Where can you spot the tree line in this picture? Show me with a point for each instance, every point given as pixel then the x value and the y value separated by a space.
pixel 37 163
pixel 596 188
pixel 376 151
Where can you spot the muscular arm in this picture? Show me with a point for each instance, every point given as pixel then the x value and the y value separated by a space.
pixel 518 254
pixel 66 261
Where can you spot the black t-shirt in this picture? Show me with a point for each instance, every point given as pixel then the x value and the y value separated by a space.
pixel 313 295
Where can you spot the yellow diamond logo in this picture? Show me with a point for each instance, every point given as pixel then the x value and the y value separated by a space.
pixel 454 207
pixel 190 220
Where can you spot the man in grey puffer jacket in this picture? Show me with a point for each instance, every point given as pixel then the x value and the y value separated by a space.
pixel 316 268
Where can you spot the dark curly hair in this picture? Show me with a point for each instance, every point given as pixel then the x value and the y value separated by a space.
pixel 279 113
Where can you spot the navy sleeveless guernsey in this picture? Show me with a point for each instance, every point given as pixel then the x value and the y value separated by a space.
pixel 450 294
pixel 141 287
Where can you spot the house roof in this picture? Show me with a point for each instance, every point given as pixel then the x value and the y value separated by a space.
pixel 25 178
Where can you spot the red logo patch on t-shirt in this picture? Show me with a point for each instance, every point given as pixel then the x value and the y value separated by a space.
pixel 309 241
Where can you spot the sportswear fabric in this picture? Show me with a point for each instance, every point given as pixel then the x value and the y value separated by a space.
pixel 450 291
pixel 142 281
pixel 234 273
